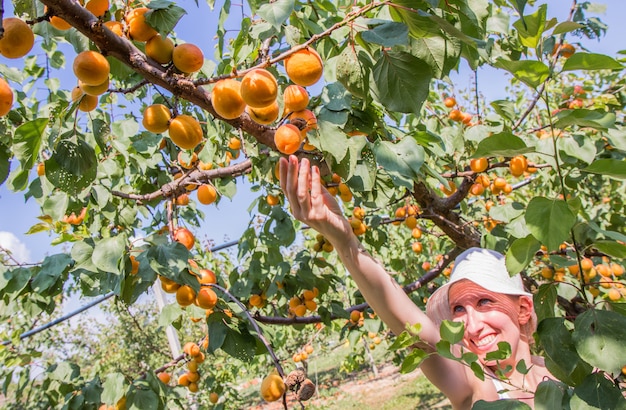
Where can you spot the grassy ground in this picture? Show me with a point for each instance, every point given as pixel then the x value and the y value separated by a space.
pixel 359 390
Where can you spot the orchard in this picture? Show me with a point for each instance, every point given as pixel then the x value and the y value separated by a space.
pixel 124 133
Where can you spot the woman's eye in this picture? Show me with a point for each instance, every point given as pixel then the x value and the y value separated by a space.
pixel 483 302
pixel 457 309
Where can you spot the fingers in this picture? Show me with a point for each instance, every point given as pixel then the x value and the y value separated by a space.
pixel 304 183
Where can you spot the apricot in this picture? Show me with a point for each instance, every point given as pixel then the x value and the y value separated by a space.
pixel 295 98
pixel 57 22
pixel 160 49
pixel 94 89
pixel 479 164
pixel 226 99
pixel 115 26
pixel 41 169
pixel 185 237
pixel 456 115
pixel 206 194
pixel 417 247
pixel 214 397
pixel 449 102
pixel 182 200
pixel 565 51
pixel 234 143
pixel 187 164
pixel 272 387
pixel 188 58
pixel 86 102
pixel 185 131
pixel 156 118
pixel 164 377
pixel 206 276
pixel 518 165
pixel 206 298
pixel 264 115
pixel 6 97
pixel 168 285
pixel 287 139
pixel 97 7
pixel 91 67
pixel 185 295
pixel 138 28
pixel 304 67
pixel 18 38
pixel 259 88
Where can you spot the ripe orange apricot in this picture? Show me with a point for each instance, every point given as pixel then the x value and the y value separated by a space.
pixel 206 276
pixel 518 165
pixel 449 102
pixel 185 131
pixel 138 28
pixel 206 298
pixel 168 285
pixel 214 397
pixel 272 387
pixel 6 97
pixel 479 164
pixel 264 115
pixel 184 236
pixel 97 7
pixel 226 99
pixel 206 194
pixel 187 163
pixel 182 199
pixel 355 315
pixel 18 38
pixel 91 67
pixel 114 26
pixel 295 98
pixel 185 295
pixel 94 89
pixel 234 143
pixel 41 169
pixel 57 22
pixel 417 247
pixel 164 377
pixel 456 115
pixel 287 139
pixel 304 67
pixel 156 118
pixel 86 102
pixel 160 49
pixel 565 51
pixel 188 58
pixel 259 88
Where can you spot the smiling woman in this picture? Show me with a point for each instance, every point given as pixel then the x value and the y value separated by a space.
pixel 493 305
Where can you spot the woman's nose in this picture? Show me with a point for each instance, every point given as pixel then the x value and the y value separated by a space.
pixel 473 321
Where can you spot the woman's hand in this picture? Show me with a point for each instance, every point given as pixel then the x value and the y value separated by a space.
pixel 310 201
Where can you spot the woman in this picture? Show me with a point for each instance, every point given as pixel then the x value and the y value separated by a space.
pixel 493 306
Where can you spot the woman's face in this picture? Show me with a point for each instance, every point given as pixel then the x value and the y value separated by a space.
pixel 489 318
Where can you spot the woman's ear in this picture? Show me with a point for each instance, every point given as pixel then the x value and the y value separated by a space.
pixel 525 309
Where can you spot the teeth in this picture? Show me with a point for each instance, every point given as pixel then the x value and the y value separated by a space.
pixel 485 341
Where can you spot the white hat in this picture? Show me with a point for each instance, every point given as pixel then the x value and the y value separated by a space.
pixel 484 267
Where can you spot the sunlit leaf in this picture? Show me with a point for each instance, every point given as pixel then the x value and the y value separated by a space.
pixel 549 221
pixel 590 61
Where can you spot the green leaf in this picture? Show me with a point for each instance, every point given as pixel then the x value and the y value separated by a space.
pixel 613 168
pixel 402 160
pixel 113 388
pixel 577 146
pixel 611 248
pixel 566 27
pixel 591 61
pixel 353 70
pixel 599 339
pixel 51 270
pixel 388 34
pixel 521 253
pixel 27 141
pixel 5 163
pixel 503 352
pixel 550 221
pixel 502 404
pixel 413 360
pixel 598 392
pixel 530 28
pixel 277 12
pixel 598 119
pixel 451 332
pixel 55 205
pixel 419 25
pixel 108 252
pixel 169 314
pixel 502 144
pixel 169 260
pixel 549 395
pixel 401 81
pixel 72 167
pixel 562 359
pixel 440 53
pixel 545 301
pixel 530 72
pixel 518 5
pixel 164 16
pixel 142 399
pixel 332 138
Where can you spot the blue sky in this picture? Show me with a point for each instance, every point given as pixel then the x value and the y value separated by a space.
pixel 230 218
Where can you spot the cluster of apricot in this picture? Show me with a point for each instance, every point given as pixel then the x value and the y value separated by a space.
pixel 303 354
pixel 455 114
pixel 564 50
pixel 186 295
pixel 184 130
pixel 518 166
pixel 375 340
pixel 299 305
pixel 356 318
pixel 191 377
pixel 257 92
pixel 322 244
pixel 356 221
pixel 338 187
pixel 74 219
pixel 17 41
pixel 605 274
pixel 573 97
pixel 258 300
